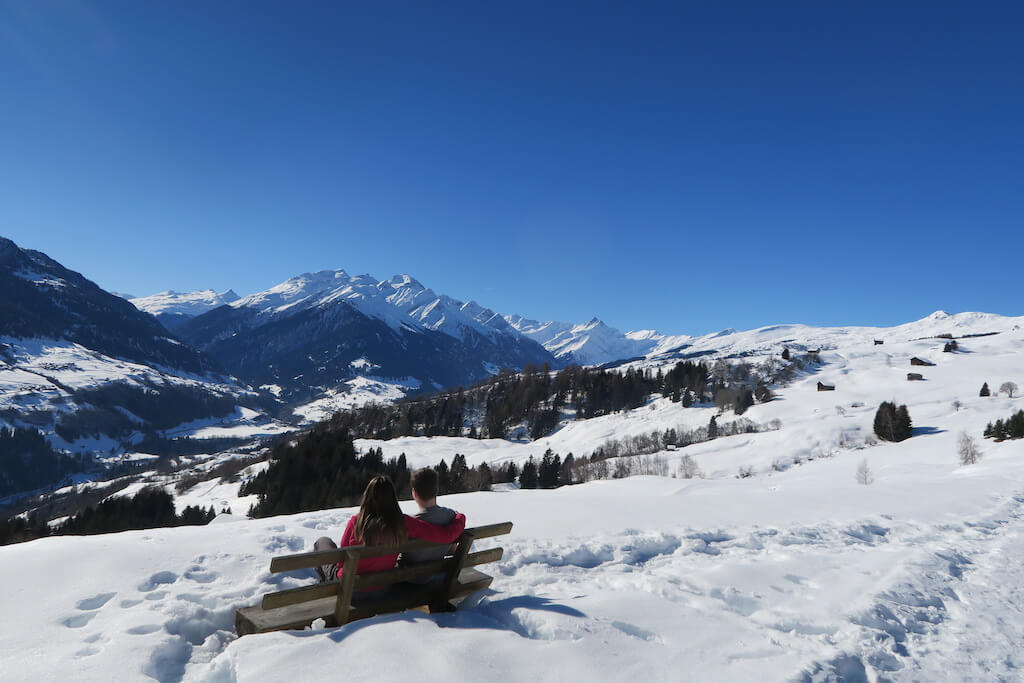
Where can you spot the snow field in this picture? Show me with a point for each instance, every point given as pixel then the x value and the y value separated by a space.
pixel 797 573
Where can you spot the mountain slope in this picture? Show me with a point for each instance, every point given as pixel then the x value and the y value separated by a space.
pixel 40 298
pixel 89 370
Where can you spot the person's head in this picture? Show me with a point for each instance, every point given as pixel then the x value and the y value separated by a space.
pixel 380 519
pixel 424 486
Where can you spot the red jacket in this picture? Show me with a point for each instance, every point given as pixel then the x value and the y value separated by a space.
pixel 414 528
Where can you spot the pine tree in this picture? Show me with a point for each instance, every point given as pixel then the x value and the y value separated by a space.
pixel 713 428
pixel 528 477
pixel 984 390
pixel 443 478
pixel 785 354
pixel 892 423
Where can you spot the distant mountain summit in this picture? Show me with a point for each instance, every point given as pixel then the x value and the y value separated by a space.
pixel 316 330
pixel 173 308
pixel 589 343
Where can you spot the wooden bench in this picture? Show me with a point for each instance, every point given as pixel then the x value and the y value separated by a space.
pixel 348 599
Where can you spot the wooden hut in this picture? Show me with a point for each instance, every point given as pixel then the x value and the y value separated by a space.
pixel 826 387
pixel 914 376
pixel 879 342
pixel 920 361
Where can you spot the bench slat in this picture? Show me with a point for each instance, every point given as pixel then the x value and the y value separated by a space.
pixel 293 596
pixel 489 530
pixel 289 563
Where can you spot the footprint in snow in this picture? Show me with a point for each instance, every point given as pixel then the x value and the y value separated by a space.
pixel 143 630
pixel 199 575
pixel 95 602
pixel 130 603
pixel 156 580
pixel 637 632
pixel 79 620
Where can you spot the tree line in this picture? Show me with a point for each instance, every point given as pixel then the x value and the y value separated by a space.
pixel 149 508
pixel 532 403
pixel 1010 428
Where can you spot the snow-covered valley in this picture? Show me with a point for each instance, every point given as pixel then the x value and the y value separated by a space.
pixel 795 573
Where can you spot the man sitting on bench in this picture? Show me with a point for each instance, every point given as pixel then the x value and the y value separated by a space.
pixel 424 492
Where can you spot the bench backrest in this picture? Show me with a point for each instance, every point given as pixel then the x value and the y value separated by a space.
pixel 351 582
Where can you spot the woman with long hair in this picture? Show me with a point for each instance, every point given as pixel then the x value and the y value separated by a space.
pixel 380 522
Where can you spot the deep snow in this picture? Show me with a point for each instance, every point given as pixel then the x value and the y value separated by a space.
pixel 796 573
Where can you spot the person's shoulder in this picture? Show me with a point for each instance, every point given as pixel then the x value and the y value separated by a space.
pixel 436 514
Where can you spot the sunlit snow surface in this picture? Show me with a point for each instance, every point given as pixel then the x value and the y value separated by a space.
pixel 793 574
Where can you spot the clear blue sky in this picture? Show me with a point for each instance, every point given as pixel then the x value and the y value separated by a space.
pixel 682 166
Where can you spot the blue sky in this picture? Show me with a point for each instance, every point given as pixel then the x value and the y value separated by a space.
pixel 681 166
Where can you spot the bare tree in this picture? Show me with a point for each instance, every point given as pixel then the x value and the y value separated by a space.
pixel 864 474
pixel 688 468
pixel 957 405
pixel 1009 388
pixel 969 453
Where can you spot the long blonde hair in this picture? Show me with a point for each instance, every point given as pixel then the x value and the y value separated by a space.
pixel 380 520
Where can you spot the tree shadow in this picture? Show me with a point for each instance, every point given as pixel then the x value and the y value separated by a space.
pixel 923 431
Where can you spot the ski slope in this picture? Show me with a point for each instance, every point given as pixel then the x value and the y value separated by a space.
pixel 796 573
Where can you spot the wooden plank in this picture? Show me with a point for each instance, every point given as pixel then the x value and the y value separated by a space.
pixel 391 576
pixel 256 620
pixel 490 530
pixel 483 557
pixel 288 563
pixel 465 543
pixel 348 582
pixel 293 596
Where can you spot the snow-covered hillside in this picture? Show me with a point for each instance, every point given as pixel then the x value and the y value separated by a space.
pixel 795 573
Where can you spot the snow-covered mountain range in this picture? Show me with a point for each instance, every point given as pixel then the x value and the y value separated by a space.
pixel 173 308
pixel 313 332
pixel 402 302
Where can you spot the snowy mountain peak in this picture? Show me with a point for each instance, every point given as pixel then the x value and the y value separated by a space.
pixel 589 343
pixel 188 304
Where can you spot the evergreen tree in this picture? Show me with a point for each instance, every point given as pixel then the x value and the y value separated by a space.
pixel 458 475
pixel 565 474
pixel 984 390
pixel 762 393
pixel 785 354
pixel 713 428
pixel 486 476
pixel 892 423
pixel 443 478
pixel 528 478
